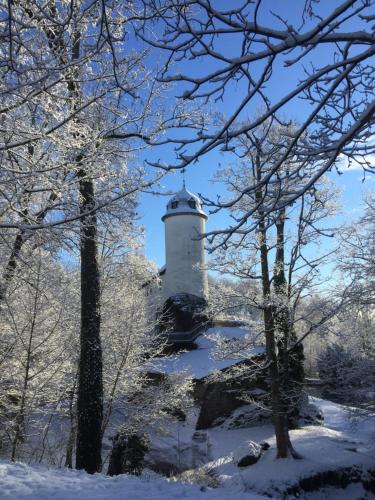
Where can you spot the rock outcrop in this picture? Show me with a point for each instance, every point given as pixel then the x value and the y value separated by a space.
pixel 233 387
pixel 247 454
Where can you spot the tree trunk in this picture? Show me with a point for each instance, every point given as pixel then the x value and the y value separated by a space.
pixel 20 418
pixel 90 387
pixel 281 313
pixel 18 243
pixel 281 429
pixel 90 383
pixel 10 268
pixel 73 426
pixel 291 364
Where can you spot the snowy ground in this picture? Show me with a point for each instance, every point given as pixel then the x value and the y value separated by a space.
pixel 346 439
pixel 202 361
pixel 19 481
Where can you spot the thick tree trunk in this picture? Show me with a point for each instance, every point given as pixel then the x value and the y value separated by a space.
pixel 90 387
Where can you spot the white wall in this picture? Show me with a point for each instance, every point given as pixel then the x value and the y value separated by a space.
pixel 185 256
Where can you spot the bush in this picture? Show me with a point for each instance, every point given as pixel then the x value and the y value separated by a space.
pixel 341 370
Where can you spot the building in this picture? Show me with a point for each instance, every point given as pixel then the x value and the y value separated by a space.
pixel 179 293
pixel 185 264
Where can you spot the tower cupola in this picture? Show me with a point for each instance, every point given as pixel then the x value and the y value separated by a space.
pixel 184 202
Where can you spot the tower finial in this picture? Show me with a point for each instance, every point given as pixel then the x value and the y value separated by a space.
pixel 183 178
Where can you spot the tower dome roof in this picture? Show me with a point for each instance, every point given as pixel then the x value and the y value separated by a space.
pixel 184 203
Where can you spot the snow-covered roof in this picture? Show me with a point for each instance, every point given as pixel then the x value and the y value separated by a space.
pixel 202 361
pixel 184 202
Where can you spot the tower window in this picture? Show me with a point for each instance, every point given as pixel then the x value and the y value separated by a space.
pixel 174 204
pixel 192 204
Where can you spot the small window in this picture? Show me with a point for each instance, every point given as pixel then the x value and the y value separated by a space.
pixel 192 204
pixel 174 204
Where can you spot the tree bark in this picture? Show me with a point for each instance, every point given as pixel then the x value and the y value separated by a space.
pixel 90 386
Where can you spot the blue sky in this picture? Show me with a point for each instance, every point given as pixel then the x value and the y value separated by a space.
pixel 199 176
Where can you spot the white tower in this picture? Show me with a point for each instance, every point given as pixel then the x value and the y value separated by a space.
pixel 185 270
